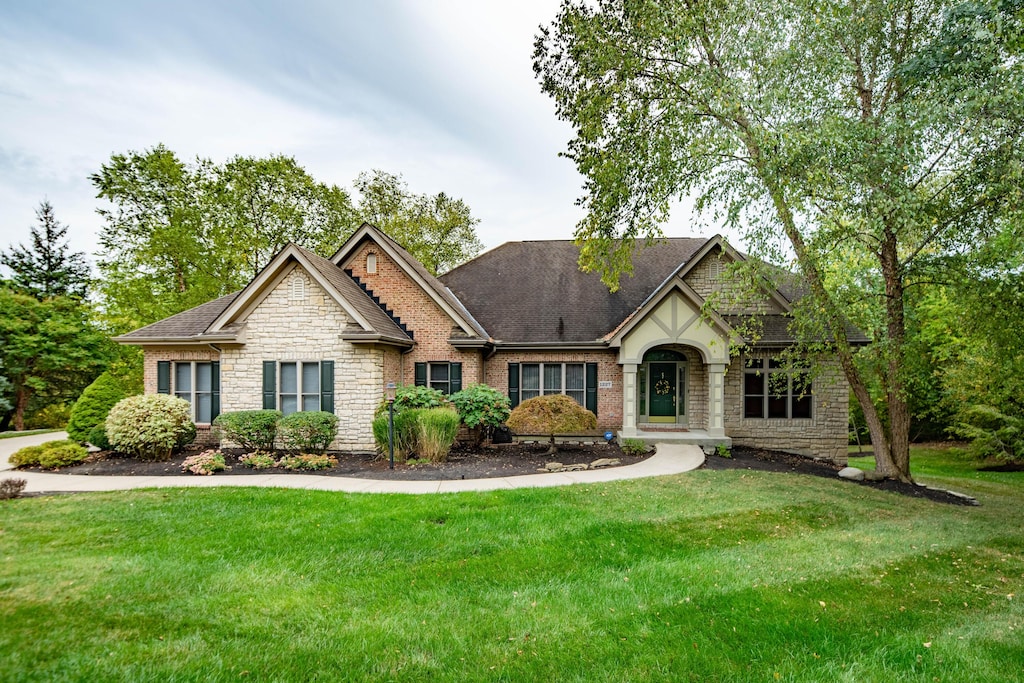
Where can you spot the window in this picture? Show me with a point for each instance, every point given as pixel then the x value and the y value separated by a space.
pixel 294 386
pixel 773 390
pixel 578 381
pixel 444 376
pixel 195 382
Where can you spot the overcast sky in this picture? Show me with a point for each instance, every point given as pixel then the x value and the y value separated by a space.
pixel 441 91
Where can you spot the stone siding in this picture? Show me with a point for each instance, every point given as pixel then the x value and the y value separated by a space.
pixel 729 297
pixel 822 436
pixel 430 325
pixel 282 329
pixel 609 401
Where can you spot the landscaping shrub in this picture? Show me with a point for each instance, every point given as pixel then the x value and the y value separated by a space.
pixel 258 460
pixel 53 416
pixel 307 461
pixel 992 434
pixel 98 437
pixel 207 463
pixel 438 428
pixel 633 446
pixel 150 427
pixel 308 431
pixel 481 408
pixel 12 488
pixel 254 430
pixel 550 415
pixel 92 406
pixel 412 397
pixel 50 455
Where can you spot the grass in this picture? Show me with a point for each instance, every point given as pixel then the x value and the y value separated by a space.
pixel 713 576
pixel 27 432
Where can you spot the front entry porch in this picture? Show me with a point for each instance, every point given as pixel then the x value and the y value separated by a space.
pixel 651 434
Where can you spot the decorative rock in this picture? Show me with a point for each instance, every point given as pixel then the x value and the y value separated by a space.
pixel 852 473
pixel 576 468
pixel 873 475
pixel 605 462
pixel 554 467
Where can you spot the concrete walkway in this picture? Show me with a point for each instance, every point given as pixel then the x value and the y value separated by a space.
pixel 669 459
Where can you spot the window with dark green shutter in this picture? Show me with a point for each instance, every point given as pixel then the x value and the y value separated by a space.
pixel 163 377
pixel 194 381
pixel 327 386
pixel 270 385
pixel 578 381
pixel 444 376
pixel 421 374
pixel 513 384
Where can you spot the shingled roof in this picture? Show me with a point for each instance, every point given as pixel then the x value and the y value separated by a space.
pixel 182 326
pixel 534 292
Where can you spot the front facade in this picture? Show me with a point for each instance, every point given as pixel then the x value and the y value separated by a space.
pixel 311 333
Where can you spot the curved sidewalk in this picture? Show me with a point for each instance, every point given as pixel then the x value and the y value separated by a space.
pixel 669 459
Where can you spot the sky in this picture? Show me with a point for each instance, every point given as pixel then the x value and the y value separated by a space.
pixel 439 91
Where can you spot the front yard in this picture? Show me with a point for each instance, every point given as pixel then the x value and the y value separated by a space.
pixel 711 575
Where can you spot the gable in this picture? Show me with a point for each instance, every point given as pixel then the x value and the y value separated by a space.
pixel 708 276
pixel 294 305
pixel 675 319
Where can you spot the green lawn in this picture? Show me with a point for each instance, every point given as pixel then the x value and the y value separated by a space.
pixel 713 576
pixel 27 432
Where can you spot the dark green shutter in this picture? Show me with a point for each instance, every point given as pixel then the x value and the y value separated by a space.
pixel 592 387
pixel 163 377
pixel 215 389
pixel 269 385
pixel 513 384
pixel 327 386
pixel 421 374
pixel 455 377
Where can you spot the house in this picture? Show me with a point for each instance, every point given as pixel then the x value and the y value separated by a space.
pixel 312 333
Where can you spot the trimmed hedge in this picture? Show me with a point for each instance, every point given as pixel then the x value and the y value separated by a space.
pixel 50 455
pixel 150 427
pixel 254 430
pixel 308 431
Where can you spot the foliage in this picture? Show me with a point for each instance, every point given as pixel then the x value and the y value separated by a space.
pixel 481 406
pixel 992 434
pixel 92 406
pixel 406 432
pixel 177 235
pixel 308 431
pixel 150 427
pixel 46 269
pixel 98 437
pixel 438 429
pixel 722 451
pixel 878 135
pixel 49 350
pixel 50 416
pixel 258 460
pixel 410 397
pixel 11 487
pixel 308 461
pixel 439 231
pixel 551 414
pixel 254 430
pixel 633 447
pixel 205 463
pixel 50 455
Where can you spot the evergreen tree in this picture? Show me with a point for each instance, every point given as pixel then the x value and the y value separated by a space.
pixel 46 269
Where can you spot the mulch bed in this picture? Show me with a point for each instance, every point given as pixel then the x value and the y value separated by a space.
pixel 504 460
pixel 773 461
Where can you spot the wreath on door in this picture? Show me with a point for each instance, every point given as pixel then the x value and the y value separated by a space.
pixel 662 387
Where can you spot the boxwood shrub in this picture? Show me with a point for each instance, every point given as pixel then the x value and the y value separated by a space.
pixel 50 455
pixel 308 431
pixel 253 430
pixel 150 427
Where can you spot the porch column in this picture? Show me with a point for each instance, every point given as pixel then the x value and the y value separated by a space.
pixel 716 399
pixel 629 399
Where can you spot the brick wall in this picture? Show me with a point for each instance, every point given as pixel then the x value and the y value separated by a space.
pixel 609 401
pixel 431 326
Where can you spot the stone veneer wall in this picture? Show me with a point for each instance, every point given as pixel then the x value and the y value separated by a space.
pixel 281 329
pixel 609 401
pixel 705 279
pixel 430 325
pixel 822 436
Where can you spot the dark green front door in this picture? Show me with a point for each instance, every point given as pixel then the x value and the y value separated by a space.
pixel 662 386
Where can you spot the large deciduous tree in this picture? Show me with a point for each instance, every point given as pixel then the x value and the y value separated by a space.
pixel 46 268
pixel 886 131
pixel 439 230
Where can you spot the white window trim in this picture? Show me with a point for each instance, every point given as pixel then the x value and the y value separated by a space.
pixel 563 391
pixel 299 393
pixel 193 391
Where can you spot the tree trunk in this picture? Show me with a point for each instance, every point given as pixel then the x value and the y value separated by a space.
pixel 21 397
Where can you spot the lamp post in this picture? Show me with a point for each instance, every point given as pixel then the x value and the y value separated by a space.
pixel 391 391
